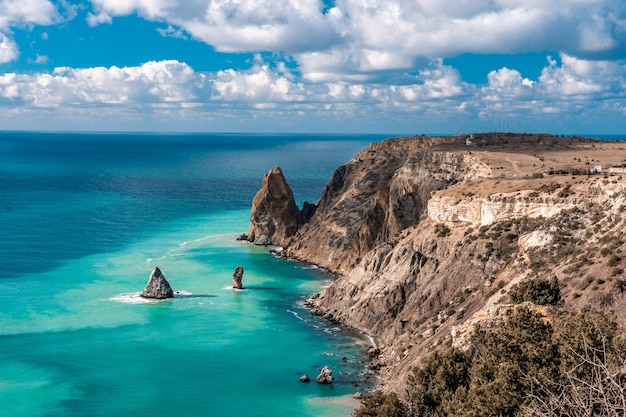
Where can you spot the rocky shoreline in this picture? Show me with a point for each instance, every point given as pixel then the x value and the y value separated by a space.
pixel 425 234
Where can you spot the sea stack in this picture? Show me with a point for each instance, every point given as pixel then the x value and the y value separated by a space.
pixel 325 376
pixel 238 278
pixel 157 286
pixel 275 217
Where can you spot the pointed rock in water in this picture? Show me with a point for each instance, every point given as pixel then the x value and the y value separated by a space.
pixel 275 217
pixel 305 378
pixel 157 287
pixel 325 376
pixel 238 278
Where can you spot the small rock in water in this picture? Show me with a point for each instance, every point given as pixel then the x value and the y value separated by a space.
pixel 238 278
pixel 325 376
pixel 157 286
pixel 305 378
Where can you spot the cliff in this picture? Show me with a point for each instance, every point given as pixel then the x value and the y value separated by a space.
pixel 382 191
pixel 275 216
pixel 426 234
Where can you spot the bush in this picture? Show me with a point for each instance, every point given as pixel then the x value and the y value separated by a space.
pixel 614 260
pixel 379 404
pixel 517 368
pixel 537 291
pixel 441 230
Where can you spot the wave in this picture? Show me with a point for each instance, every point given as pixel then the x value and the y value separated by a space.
pixel 136 298
pixel 182 245
pixel 230 288
pixel 133 298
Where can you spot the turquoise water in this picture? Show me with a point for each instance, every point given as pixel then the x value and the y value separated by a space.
pixel 84 219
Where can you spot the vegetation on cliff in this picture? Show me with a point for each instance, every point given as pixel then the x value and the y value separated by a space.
pixel 446 250
pixel 570 366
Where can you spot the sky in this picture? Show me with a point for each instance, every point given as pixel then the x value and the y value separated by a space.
pixel 334 66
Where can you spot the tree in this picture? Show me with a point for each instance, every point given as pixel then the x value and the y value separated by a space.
pixel 537 291
pixel 599 391
pixel 438 385
pixel 379 404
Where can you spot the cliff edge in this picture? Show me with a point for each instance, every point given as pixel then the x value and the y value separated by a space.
pixel 426 234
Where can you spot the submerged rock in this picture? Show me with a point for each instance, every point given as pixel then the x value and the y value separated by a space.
pixel 238 278
pixel 157 286
pixel 325 376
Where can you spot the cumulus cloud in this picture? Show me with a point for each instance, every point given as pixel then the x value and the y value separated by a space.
pixel 356 39
pixel 8 49
pixel 20 12
pixel 172 90
pixel 151 83
pixel 41 12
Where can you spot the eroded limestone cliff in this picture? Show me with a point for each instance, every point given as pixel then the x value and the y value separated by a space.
pixel 275 217
pixel 382 191
pixel 426 234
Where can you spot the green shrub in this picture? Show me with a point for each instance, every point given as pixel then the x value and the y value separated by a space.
pixel 537 291
pixel 500 372
pixel 379 404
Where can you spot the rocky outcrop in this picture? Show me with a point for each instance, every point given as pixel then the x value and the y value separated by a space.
pixel 238 278
pixel 275 217
pixel 425 233
pixel 325 376
pixel 157 286
pixel 370 200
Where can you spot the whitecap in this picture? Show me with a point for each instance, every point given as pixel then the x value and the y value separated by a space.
pixel 133 298
pixel 296 315
pixel 230 288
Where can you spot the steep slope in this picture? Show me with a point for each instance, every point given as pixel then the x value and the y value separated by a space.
pixel 372 198
pixel 429 234
pixel 274 217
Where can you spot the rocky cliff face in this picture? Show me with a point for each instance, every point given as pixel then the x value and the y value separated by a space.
pixel 427 235
pixel 275 217
pixel 381 192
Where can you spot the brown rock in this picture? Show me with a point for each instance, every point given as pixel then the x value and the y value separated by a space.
pixel 238 278
pixel 157 286
pixel 325 376
pixel 275 217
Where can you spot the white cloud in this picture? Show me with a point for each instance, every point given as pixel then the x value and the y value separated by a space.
pixel 169 82
pixel 173 32
pixel 357 39
pixel 570 78
pixel 98 18
pixel 507 83
pixel 41 59
pixel 258 85
pixel 8 49
pixel 41 12
pixel 22 12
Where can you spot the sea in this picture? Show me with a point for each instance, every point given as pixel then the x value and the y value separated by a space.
pixel 85 217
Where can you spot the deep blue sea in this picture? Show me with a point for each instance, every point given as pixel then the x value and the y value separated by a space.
pixel 83 220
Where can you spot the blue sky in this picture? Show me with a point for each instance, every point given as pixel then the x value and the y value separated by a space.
pixel 398 66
